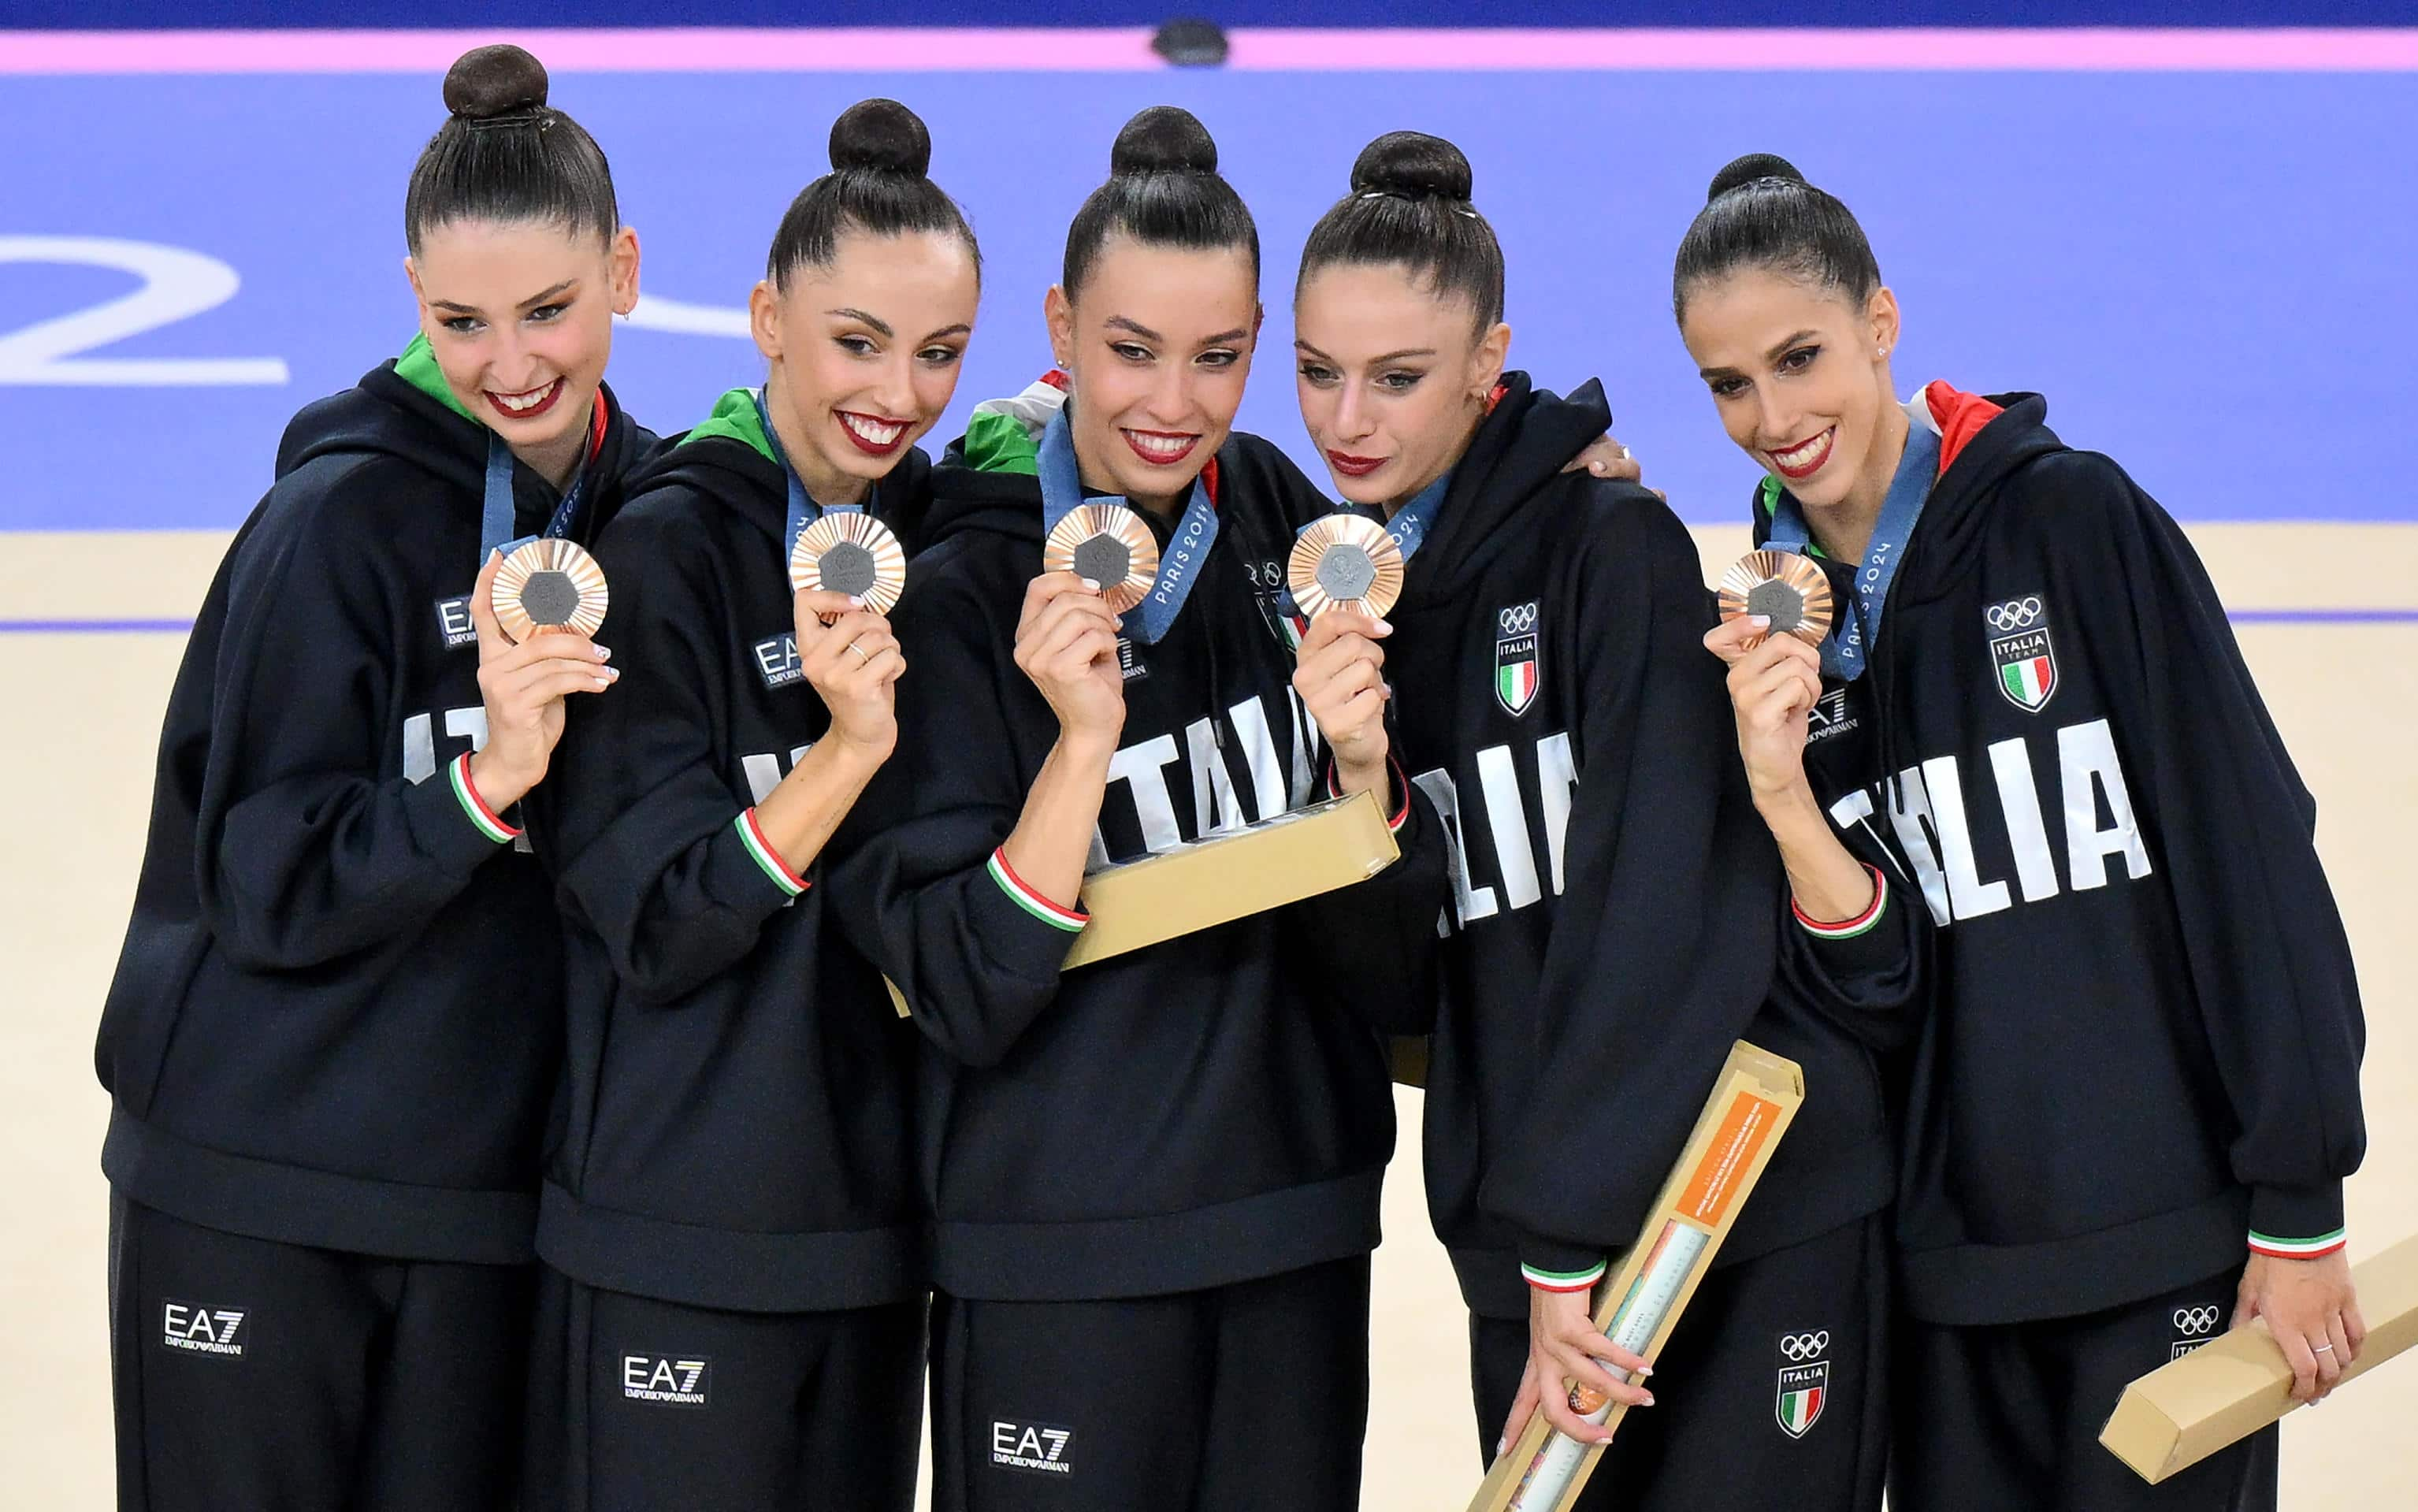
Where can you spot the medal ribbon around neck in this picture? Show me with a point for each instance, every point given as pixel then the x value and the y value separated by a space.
pixel 1179 565
pixel 496 507
pixel 803 511
pixel 1851 641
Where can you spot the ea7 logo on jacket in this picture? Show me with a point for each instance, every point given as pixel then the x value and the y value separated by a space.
pixel 1036 1447
pixel 777 660
pixel 199 1330
pixel 1515 657
pixel 666 1380
pixel 1929 800
pixel 2020 656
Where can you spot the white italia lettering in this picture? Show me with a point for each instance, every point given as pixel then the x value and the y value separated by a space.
pixel 2088 755
pixel 1968 897
pixel 1144 768
pixel 1929 800
pixel 1909 810
pixel 1210 785
pixel 1304 731
pixel 1469 902
pixel 762 769
pixel 419 749
pixel 1507 816
pixel 1250 719
pixel 1558 782
pixel 2011 762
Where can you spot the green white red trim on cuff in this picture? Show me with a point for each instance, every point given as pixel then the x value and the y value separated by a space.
pixel 1564 1282
pixel 2322 1246
pixel 1400 784
pixel 1847 928
pixel 760 851
pixel 466 792
pixel 1030 901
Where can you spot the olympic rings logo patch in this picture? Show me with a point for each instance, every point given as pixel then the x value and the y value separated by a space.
pixel 1518 620
pixel 2195 1320
pixel 1801 1347
pixel 2014 614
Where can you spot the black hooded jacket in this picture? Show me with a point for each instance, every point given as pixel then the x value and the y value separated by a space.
pixel 735 1085
pixel 2143 1032
pixel 1206 1110
pixel 337 1013
pixel 1618 901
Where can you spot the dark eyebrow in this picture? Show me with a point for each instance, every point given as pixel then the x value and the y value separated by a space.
pixel 530 303
pixel 875 321
pixel 961 328
pixel 1781 350
pixel 1226 338
pixel 1121 323
pixel 1374 362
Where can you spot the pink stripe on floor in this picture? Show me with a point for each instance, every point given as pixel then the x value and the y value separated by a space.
pixel 946 49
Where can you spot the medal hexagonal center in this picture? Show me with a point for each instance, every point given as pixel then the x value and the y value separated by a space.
pixel 549 598
pixel 845 568
pixel 1783 603
pixel 1345 571
pixel 1104 559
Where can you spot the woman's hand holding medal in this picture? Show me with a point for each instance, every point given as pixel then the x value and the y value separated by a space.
pixel 1066 643
pixel 1340 675
pixel 854 663
pixel 523 686
pixel 1774 683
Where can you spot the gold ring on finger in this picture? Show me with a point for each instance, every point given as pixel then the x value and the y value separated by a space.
pixel 862 659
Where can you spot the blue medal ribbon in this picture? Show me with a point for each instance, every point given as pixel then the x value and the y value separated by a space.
pixel 1852 638
pixel 1179 565
pixel 803 511
pixel 496 513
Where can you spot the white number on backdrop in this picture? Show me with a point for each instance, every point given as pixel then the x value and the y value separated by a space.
pixel 178 284
pixel 655 313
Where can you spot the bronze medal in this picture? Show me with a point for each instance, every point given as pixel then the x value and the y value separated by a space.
pixel 549 584
pixel 1790 588
pixel 1348 563
pixel 1110 544
pixel 849 551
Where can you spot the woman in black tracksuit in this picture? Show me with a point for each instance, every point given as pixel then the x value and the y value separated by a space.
pixel 2140 1034
pixel 1613 931
pixel 732 1307
pixel 1154 1181
pixel 335 1022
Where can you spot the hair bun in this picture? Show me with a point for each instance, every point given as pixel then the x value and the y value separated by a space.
pixel 881 136
pixel 1414 166
pixel 1744 171
pixel 1164 139
pixel 488 82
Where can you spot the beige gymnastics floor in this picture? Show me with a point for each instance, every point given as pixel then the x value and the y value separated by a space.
pixel 76 748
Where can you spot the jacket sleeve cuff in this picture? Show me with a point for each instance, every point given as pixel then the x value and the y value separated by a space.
pixel 1550 1265
pixel 1868 941
pixel 2297 1222
pixel 767 860
pixel 451 823
pixel 1396 798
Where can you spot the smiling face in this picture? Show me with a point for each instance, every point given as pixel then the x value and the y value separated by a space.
pixel 1393 378
pixel 866 353
pixel 1158 344
pixel 1800 374
pixel 520 318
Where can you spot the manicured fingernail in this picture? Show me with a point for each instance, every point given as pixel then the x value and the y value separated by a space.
pixel 603 653
pixel 1645 1370
pixel 1384 628
pixel 1089 584
pixel 1760 621
pixel 1648 1400
pixel 856 601
pixel 1502 1447
pixel 1389 690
